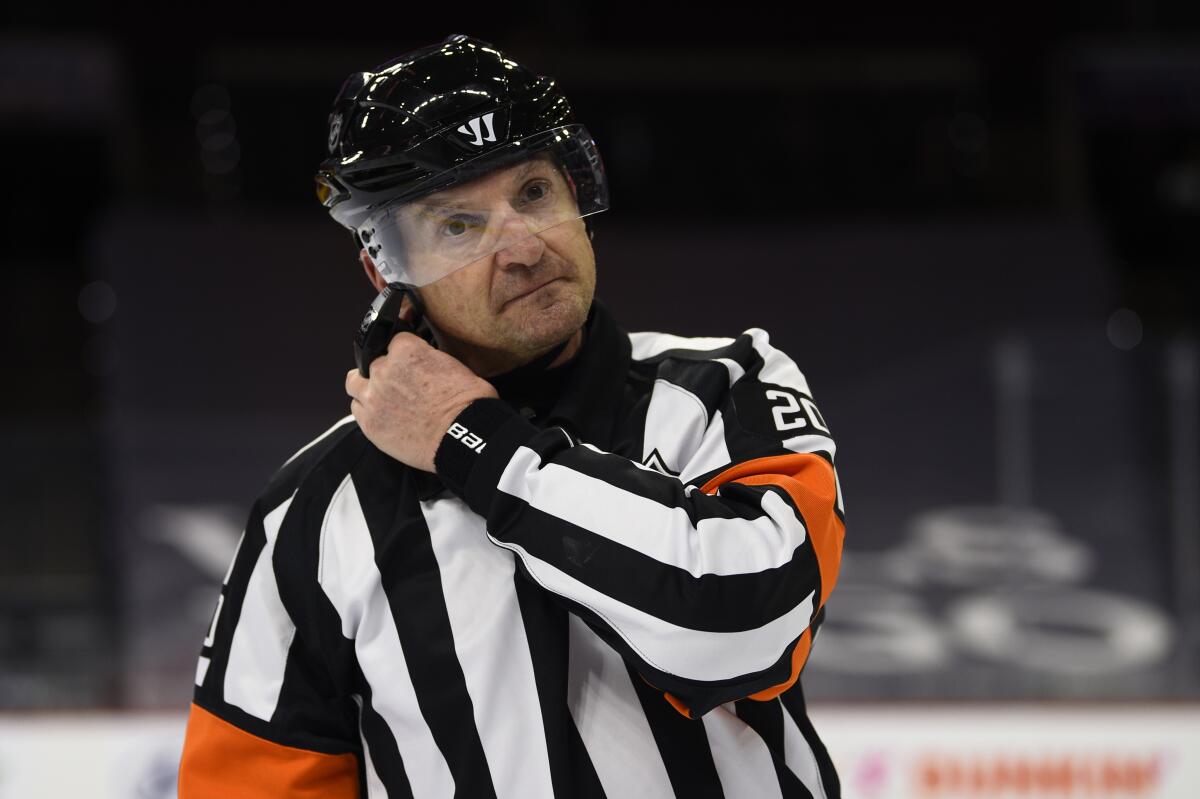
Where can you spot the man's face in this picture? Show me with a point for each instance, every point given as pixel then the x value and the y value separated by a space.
pixel 516 302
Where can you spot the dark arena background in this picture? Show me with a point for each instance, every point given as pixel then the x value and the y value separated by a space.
pixel 977 233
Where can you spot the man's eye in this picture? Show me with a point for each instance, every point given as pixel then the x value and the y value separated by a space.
pixel 457 226
pixel 534 191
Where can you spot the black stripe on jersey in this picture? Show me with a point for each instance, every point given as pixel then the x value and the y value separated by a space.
pixel 746 444
pixel 825 456
pixel 329 733
pixel 793 702
pixel 711 603
pixel 766 719
pixel 281 484
pixel 309 702
pixel 700 696
pixel 410 574
pixel 320 626
pixel 381 743
pixel 571 771
pixel 271 732
pixel 708 381
pixel 210 695
pixel 757 411
pixel 280 487
pixel 629 437
pixel 294 572
pixel 654 485
pixel 741 350
pixel 682 744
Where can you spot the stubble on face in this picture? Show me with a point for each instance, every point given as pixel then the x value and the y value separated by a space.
pixel 497 318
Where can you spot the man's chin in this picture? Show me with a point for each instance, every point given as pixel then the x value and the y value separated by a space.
pixel 547 323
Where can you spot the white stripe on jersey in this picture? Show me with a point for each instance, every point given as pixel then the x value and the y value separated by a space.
pixel 233 560
pixel 811 442
pixel 349 577
pixel 713 452
pixel 610 719
pixel 201 670
pixel 676 650
pixel 666 534
pixel 489 639
pixel 799 757
pixel 778 367
pixel 675 423
pixel 259 649
pixel 375 787
pixel 743 761
pixel 736 372
pixel 647 344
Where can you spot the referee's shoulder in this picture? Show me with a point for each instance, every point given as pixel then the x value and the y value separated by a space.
pixel 330 455
pixel 742 353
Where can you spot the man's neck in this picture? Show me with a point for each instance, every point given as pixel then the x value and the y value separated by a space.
pixel 570 350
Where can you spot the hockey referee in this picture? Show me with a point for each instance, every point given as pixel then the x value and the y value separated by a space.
pixel 542 556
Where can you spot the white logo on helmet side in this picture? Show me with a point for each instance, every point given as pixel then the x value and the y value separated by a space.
pixel 476 131
pixel 335 128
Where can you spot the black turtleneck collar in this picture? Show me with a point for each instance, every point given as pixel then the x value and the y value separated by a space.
pixel 583 394
pixel 532 388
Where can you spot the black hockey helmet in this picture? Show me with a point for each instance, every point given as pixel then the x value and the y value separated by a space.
pixel 441 116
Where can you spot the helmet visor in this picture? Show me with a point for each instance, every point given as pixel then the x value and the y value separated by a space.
pixel 423 240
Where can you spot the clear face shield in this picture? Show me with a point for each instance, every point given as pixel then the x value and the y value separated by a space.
pixel 420 241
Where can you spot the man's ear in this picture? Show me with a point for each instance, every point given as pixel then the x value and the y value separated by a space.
pixel 372 273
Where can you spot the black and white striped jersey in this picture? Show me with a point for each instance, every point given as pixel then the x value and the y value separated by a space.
pixel 609 589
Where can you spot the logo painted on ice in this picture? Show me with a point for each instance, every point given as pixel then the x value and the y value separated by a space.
pixel 477 132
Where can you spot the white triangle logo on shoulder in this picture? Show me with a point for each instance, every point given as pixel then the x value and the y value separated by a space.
pixel 476 130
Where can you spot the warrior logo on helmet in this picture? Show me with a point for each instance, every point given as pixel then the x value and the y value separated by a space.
pixel 476 132
pixel 335 129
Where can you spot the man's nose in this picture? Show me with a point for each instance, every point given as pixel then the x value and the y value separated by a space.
pixel 521 247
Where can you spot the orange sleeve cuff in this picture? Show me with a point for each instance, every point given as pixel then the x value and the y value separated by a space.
pixel 221 761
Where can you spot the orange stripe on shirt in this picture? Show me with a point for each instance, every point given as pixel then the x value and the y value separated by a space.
pixel 809 481
pixel 221 761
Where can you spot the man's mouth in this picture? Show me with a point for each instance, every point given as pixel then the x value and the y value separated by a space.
pixel 531 291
